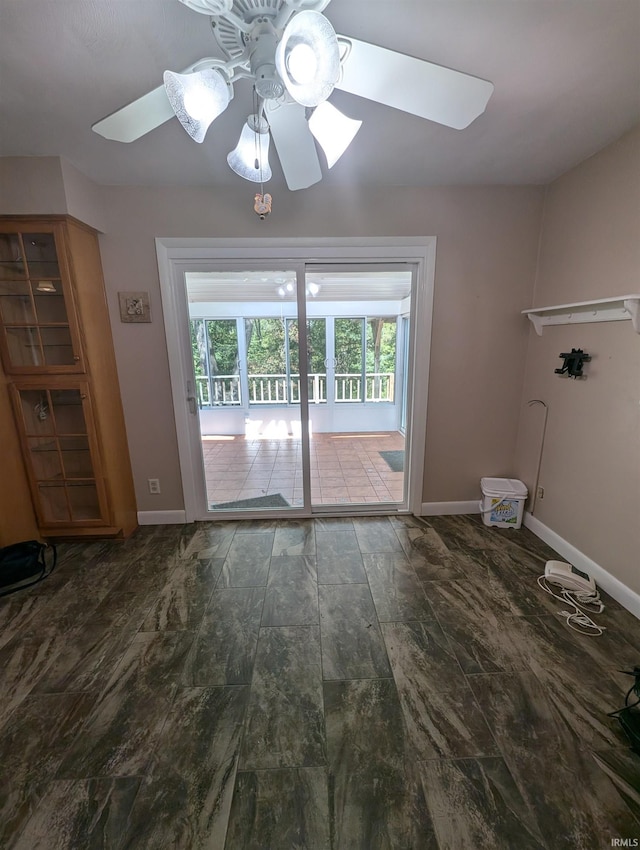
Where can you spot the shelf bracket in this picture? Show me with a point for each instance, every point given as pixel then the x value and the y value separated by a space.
pixel 632 306
pixel 537 323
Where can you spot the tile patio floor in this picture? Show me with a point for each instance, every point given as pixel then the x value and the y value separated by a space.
pixel 345 468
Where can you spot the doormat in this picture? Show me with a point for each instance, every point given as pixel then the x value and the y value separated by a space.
pixel 275 500
pixel 394 460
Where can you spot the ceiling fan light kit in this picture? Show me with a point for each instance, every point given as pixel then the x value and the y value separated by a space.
pixel 197 99
pixel 250 158
pixel 308 58
pixel 333 130
pixel 291 54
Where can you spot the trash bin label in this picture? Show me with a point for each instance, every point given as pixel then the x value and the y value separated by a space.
pixel 505 510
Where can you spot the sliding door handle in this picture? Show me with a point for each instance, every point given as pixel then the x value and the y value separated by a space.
pixel 192 401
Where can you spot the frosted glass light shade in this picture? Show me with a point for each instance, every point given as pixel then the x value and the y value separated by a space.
pixel 197 99
pixel 250 158
pixel 333 131
pixel 308 58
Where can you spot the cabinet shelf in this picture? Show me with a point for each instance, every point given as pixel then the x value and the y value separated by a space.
pixel 64 435
pixel 53 447
pixel 60 479
pixel 581 312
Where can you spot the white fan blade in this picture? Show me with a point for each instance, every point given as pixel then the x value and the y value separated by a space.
pixel 292 7
pixel 137 118
pixel 430 91
pixel 294 143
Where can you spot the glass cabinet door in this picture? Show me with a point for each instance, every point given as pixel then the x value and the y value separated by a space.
pixel 38 329
pixel 57 440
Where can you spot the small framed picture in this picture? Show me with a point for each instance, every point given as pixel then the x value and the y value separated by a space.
pixel 134 307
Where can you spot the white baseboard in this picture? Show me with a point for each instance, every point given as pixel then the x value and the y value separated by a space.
pixel 161 517
pixel 628 598
pixel 444 508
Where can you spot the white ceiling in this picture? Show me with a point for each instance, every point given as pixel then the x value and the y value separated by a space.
pixel 566 76
pixel 260 286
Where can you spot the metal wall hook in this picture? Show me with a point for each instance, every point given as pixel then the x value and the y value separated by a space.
pixel 530 403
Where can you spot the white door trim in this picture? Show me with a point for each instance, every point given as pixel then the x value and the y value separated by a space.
pixel 177 256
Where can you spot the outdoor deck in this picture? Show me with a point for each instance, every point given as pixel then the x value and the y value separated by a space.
pixel 345 468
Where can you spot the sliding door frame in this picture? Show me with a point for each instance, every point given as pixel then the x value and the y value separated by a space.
pixel 176 257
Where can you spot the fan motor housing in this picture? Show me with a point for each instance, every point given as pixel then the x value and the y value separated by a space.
pixel 263 41
pixel 229 37
pixel 268 83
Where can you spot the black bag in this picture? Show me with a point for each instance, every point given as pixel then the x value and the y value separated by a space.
pixel 24 564
pixel 629 716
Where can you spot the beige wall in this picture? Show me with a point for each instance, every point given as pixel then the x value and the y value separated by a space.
pixel 590 469
pixel 589 247
pixel 83 198
pixel 45 185
pixel 485 262
pixel 485 265
pixel 31 184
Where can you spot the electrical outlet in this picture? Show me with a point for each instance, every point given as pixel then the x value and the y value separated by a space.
pixel 540 492
pixel 154 485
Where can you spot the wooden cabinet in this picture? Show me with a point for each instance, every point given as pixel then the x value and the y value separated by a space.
pixel 59 378
pixel 58 434
pixel 40 333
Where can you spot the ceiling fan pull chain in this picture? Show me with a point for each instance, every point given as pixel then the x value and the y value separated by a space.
pixel 261 202
pixel 257 108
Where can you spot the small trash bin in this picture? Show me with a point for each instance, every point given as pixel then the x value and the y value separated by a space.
pixel 503 501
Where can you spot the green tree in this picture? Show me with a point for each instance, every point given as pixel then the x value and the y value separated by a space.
pixel 316 345
pixel 223 346
pixel 381 344
pixel 265 346
pixel 348 345
pixel 198 347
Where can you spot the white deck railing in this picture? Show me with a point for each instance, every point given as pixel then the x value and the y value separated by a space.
pixel 379 386
pixel 220 390
pixel 224 390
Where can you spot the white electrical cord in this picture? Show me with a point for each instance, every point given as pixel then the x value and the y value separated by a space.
pixel 579 599
pixel 575 598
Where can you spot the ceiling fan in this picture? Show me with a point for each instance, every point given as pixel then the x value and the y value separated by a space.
pixel 291 54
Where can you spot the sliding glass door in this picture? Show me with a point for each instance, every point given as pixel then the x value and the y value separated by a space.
pixel 245 353
pixel 300 378
pixel 357 439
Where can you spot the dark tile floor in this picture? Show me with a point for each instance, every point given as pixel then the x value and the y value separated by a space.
pixel 371 683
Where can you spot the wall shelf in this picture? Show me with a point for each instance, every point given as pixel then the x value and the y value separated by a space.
pixel 603 310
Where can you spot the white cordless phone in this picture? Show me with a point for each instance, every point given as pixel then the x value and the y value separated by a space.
pixel 567 576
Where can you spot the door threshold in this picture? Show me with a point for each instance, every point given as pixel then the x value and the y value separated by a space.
pixel 318 512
